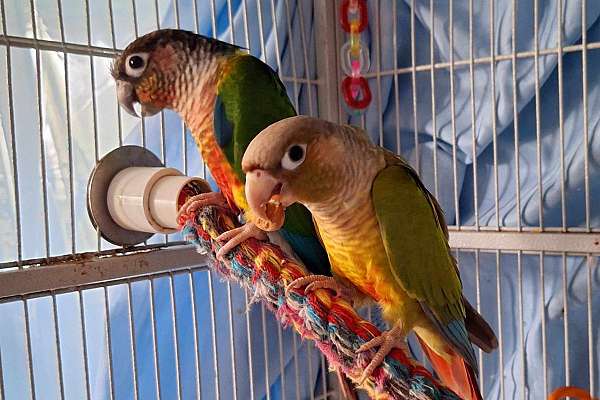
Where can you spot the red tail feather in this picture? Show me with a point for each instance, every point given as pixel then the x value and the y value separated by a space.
pixel 456 374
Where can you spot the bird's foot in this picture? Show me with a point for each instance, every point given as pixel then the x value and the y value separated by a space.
pixel 202 200
pixel 236 236
pixel 314 282
pixel 386 341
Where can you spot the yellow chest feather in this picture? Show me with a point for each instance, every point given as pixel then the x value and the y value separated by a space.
pixel 357 254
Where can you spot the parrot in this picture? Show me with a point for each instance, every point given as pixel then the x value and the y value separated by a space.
pixel 384 233
pixel 226 97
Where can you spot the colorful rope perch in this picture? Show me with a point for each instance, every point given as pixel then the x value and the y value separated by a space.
pixel 320 316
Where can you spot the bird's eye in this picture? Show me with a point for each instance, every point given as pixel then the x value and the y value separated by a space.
pixel 136 64
pixel 294 156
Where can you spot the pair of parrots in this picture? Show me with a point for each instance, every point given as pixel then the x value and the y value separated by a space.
pixel 379 230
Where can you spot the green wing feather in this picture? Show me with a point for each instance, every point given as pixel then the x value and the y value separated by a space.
pixel 252 98
pixel 415 238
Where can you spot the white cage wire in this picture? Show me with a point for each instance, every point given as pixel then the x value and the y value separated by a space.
pixel 60 115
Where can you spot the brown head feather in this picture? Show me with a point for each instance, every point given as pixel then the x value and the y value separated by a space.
pixel 153 40
pixel 279 136
pixel 327 149
pixel 172 66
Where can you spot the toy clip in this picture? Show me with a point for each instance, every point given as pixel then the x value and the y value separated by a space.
pixel 355 8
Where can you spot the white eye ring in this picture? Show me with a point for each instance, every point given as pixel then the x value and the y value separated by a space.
pixel 294 156
pixel 135 64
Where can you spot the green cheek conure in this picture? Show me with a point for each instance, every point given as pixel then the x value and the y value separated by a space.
pixel 226 97
pixel 384 232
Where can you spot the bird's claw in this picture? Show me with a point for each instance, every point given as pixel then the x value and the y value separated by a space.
pixel 235 236
pixel 202 200
pixel 314 282
pixel 395 337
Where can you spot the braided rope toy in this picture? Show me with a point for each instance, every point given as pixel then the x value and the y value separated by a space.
pixel 330 321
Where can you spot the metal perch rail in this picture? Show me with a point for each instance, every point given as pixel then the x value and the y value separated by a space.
pixel 338 331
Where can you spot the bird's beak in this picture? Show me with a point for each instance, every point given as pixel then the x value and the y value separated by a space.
pixel 267 199
pixel 128 98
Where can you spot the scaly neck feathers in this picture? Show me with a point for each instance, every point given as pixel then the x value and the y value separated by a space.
pixel 196 103
pixel 351 183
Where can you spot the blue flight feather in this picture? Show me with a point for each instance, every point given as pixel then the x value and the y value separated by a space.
pixel 223 128
pixel 310 250
pixel 456 333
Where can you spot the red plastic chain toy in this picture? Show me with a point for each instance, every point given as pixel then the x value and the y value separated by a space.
pixel 355 59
